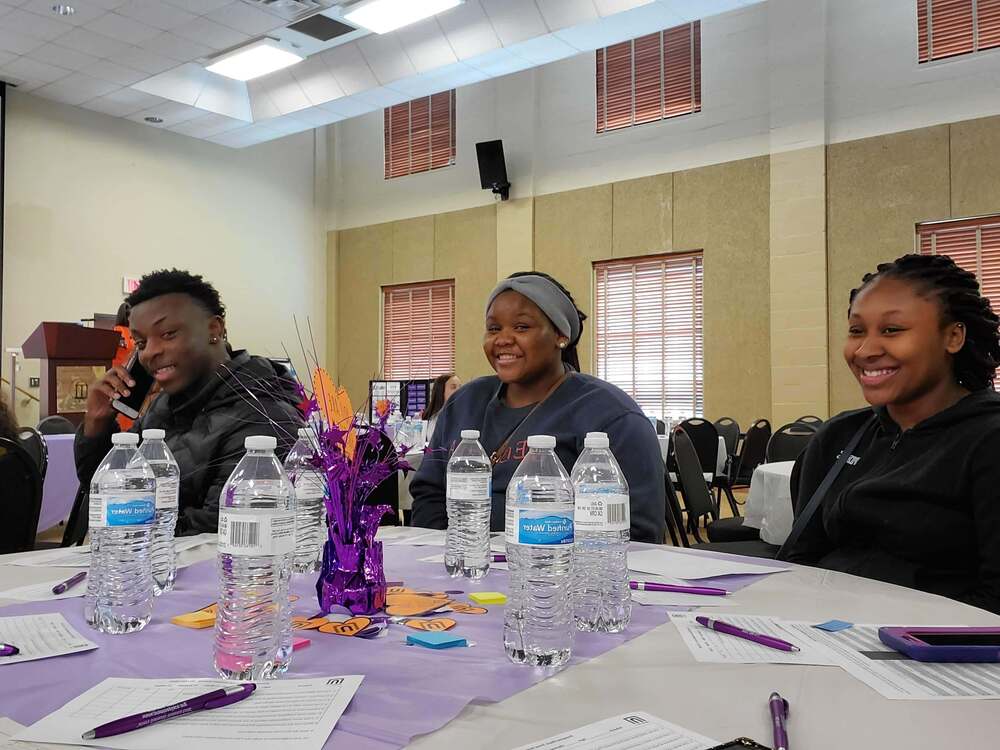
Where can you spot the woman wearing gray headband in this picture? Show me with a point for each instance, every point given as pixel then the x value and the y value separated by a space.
pixel 531 332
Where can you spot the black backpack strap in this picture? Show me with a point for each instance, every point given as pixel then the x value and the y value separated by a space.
pixel 817 497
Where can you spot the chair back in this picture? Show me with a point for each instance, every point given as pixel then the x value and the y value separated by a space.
pixel 697 496
pixel 729 430
pixel 675 516
pixel 78 523
pixel 20 497
pixel 705 439
pixel 810 419
pixel 789 441
pixel 32 441
pixel 56 425
pixel 793 483
pixel 753 451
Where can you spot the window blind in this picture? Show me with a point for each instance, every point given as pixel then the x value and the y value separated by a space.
pixel 946 28
pixel 649 331
pixel 418 330
pixel 650 78
pixel 419 135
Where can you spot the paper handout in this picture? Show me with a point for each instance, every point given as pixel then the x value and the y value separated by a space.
pixel 625 732
pixel 41 636
pixel 692 565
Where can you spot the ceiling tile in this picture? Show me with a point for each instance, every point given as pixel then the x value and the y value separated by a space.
pixel 6 57
pixel 349 68
pixel 469 30
pixel 19 44
pixel 380 96
pixel 385 57
pixel 514 20
pixel 144 60
pixel 318 117
pixel 426 45
pixel 246 19
pixel 122 102
pixel 198 7
pixel 176 48
pixel 172 113
pixel 92 43
pixel 85 12
pixel 225 96
pixel 106 4
pixel 287 125
pixel 22 22
pixel 54 54
pixel 285 92
pixel 316 80
pixel 28 72
pixel 157 14
pixel 610 7
pixel 203 127
pixel 348 106
pixel 244 137
pixel 76 89
pixel 620 27
pixel 122 28
pixel 213 34
pixel 561 14
pixel 109 71
pixel 499 62
pixel 261 104
pixel 544 49
pixel 442 79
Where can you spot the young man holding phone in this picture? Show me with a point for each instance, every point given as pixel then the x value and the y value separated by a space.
pixel 211 396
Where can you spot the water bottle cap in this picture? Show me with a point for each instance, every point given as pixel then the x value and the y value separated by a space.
pixel 542 441
pixel 125 438
pixel 596 440
pixel 153 434
pixel 307 432
pixel 260 443
pixel 470 434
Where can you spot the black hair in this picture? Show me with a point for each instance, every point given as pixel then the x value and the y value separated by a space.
pixel 175 281
pixel 8 421
pixel 436 400
pixel 957 291
pixel 569 354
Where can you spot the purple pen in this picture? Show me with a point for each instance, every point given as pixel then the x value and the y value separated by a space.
pixel 62 588
pixel 764 640
pixel 8 650
pixel 779 712
pixel 675 589
pixel 206 702
pixel 498 558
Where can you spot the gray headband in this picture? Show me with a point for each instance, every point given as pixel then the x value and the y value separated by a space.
pixel 551 299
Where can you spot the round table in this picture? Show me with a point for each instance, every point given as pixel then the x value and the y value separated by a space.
pixel 769 502
pixel 830 710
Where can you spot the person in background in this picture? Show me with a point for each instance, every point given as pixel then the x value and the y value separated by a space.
pixel 532 330
pixel 212 396
pixel 441 390
pixel 8 421
pixel 918 501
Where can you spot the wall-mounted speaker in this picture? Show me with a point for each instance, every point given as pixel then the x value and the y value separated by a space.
pixel 492 168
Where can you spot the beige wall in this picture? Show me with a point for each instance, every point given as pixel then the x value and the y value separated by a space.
pixel 90 198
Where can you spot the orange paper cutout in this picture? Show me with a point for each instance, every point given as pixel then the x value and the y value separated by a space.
pixel 467 609
pixel 413 604
pixel 202 618
pixel 348 627
pixel 335 406
pixel 436 625
pixel 308 623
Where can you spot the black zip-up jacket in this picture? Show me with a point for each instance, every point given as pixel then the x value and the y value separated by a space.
pixel 205 427
pixel 919 508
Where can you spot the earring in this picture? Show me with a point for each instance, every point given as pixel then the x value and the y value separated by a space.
pixel 214 340
pixel 562 344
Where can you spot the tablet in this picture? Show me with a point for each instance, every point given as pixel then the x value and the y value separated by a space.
pixel 955 644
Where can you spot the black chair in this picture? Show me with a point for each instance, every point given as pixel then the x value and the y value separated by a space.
pixel 661 427
pixel 752 453
pixel 32 441
pixel 697 497
pixel 56 425
pixel 810 419
pixel 729 430
pixel 705 439
pixel 78 522
pixel 789 441
pixel 20 497
pixel 675 516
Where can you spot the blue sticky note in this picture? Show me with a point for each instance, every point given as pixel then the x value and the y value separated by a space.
pixel 436 640
pixel 832 626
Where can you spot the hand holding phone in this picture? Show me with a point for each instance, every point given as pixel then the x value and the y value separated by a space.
pixel 128 400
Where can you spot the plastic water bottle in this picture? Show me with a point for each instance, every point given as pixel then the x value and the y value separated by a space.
pixel 538 624
pixel 310 510
pixel 253 626
pixel 601 597
pixel 168 477
pixel 122 509
pixel 469 498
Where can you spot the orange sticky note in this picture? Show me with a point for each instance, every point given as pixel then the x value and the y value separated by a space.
pixel 202 618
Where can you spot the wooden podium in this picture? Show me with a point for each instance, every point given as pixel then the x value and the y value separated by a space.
pixel 73 358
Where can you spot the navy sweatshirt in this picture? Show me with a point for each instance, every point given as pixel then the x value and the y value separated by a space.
pixel 581 404
pixel 919 507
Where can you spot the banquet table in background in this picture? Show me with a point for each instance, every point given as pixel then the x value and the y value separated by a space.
pixel 61 483
pixel 769 502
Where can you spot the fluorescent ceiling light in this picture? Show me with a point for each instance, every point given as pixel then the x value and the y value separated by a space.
pixel 254 60
pixel 382 16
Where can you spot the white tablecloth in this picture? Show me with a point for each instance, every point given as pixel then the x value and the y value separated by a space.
pixel 414 458
pixel 769 503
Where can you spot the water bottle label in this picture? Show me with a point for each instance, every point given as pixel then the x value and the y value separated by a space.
pixel 470 486
pixel 136 508
pixel 256 534
pixel 601 511
pixel 538 528
pixel 167 489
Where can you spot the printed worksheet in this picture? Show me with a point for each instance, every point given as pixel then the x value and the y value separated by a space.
pixel 634 731
pixel 707 645
pixel 40 637
pixel 9 727
pixel 42 592
pixel 692 565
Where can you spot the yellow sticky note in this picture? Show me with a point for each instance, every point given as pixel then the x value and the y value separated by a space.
pixel 203 618
pixel 488 597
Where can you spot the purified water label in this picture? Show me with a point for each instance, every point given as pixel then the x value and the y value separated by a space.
pixel 256 533
pixel 538 528
pixel 167 489
pixel 601 511
pixel 136 508
pixel 469 486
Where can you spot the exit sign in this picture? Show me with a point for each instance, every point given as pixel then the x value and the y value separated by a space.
pixel 129 284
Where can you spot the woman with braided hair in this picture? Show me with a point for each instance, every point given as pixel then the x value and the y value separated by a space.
pixel 917 502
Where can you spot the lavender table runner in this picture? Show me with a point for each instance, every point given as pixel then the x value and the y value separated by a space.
pixel 61 483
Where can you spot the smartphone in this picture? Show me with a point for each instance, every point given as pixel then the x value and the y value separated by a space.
pixel 957 644
pixel 130 405
pixel 740 743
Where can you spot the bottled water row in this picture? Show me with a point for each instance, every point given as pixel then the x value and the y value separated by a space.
pixel 567 538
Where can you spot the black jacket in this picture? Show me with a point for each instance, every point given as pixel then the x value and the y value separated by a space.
pixel 205 428
pixel 581 404
pixel 920 508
